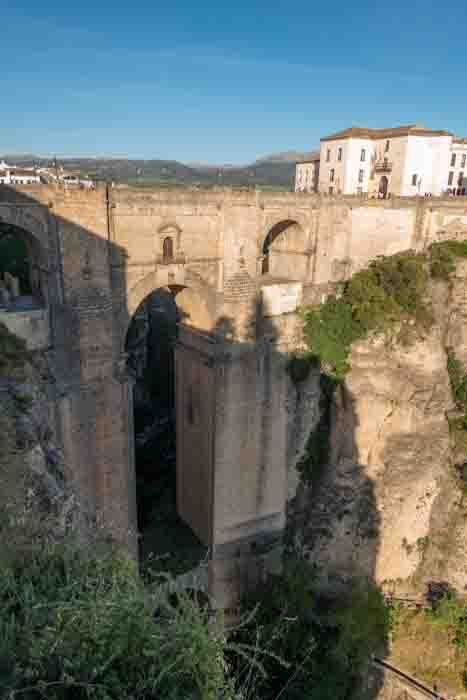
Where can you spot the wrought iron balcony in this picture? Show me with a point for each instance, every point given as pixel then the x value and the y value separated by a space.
pixel 383 166
pixel 179 259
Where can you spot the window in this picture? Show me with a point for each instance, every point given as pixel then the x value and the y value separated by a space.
pixel 362 155
pixel 167 250
pixel 339 154
pixel 387 146
pixel 328 155
pixel 331 190
pixel 359 190
pixel 414 180
pixel 453 160
pixel 331 175
pixel 464 158
pixel 451 178
pixel 360 175
pixel 460 180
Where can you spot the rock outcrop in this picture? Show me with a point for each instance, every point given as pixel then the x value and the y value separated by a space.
pixel 390 506
pixel 34 491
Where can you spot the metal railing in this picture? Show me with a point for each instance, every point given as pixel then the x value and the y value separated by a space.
pixel 383 166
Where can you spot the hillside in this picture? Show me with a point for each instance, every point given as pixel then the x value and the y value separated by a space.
pixel 275 171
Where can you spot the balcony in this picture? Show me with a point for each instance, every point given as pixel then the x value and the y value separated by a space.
pixel 179 259
pixel 383 166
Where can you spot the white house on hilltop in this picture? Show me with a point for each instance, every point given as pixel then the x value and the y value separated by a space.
pixel 307 174
pixel 457 175
pixel 406 161
pixel 14 175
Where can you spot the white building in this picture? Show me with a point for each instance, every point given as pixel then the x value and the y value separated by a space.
pixel 14 175
pixel 406 161
pixel 307 174
pixel 457 173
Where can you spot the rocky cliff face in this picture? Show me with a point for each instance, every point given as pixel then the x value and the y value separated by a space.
pixel 34 493
pixel 390 504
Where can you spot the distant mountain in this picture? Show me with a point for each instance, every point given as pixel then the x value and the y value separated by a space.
pixel 275 171
pixel 287 156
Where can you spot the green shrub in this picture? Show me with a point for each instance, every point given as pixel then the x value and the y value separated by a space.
pixel 75 623
pixel 451 613
pixel 324 645
pixel 364 623
pixel 390 290
pixel 279 626
pixel 458 380
pixel 443 257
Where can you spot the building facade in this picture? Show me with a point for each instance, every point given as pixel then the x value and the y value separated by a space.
pixel 404 161
pixel 307 174
pixel 14 175
pixel 457 172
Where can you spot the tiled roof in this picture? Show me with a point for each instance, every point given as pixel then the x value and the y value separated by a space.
pixel 22 172
pixel 312 158
pixel 357 132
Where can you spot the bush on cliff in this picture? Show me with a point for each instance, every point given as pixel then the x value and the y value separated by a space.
pixel 389 290
pixel 76 623
pixel 317 649
pixel 443 257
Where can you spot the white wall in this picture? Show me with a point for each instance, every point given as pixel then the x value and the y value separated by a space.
pixel 460 151
pixel 342 169
pixel 426 157
pixel 354 164
pixel 306 176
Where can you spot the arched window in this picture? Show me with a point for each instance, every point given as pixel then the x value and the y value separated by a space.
pixel 167 250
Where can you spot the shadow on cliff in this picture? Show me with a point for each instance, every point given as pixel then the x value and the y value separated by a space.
pixel 80 277
pixel 335 517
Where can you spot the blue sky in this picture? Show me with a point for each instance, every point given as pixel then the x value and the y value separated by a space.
pixel 223 82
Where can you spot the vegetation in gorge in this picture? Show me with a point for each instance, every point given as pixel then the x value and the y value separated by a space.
pixel 458 422
pixel 431 643
pixel 78 621
pixel 324 645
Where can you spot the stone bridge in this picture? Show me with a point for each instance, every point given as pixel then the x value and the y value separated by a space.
pixel 240 262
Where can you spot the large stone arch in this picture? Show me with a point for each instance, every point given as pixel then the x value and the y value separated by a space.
pixel 195 298
pixel 30 218
pixel 25 225
pixel 284 249
pixel 187 369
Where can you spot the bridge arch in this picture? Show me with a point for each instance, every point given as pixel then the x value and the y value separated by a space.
pixel 196 300
pixel 284 250
pixel 173 405
pixel 23 267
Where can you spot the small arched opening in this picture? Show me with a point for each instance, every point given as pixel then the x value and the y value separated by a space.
pixel 22 276
pixel 284 251
pixel 167 250
pixel 383 187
